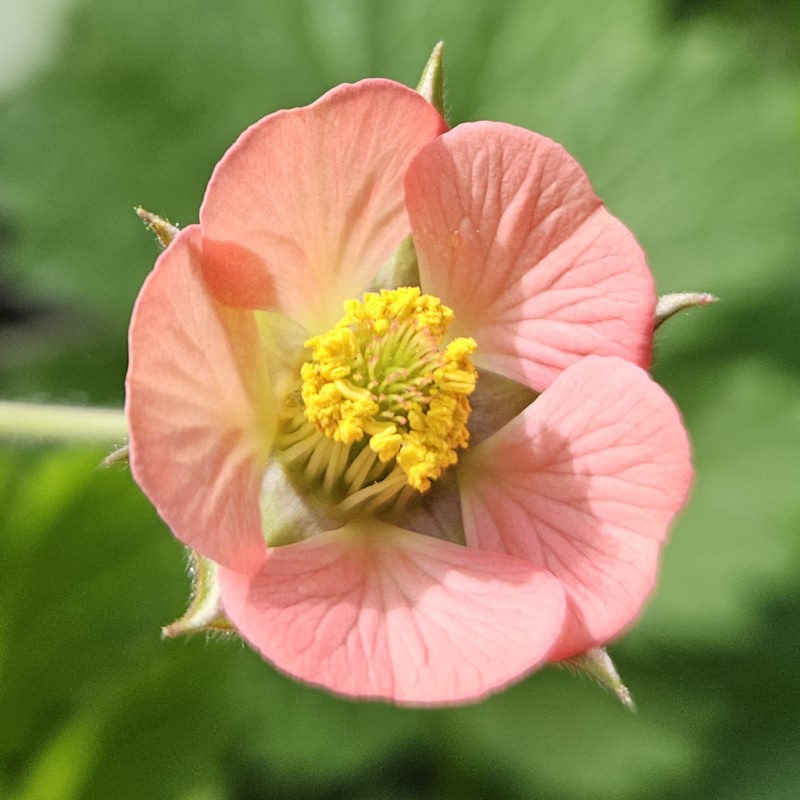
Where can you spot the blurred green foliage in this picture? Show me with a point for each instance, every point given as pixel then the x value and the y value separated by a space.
pixel 687 118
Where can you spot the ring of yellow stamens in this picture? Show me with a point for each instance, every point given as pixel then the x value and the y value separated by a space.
pixel 384 374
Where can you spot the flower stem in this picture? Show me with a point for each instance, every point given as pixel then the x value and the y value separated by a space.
pixel 33 421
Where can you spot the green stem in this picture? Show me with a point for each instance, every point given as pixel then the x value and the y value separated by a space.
pixel 32 421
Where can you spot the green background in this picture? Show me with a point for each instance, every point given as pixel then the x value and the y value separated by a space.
pixel 686 117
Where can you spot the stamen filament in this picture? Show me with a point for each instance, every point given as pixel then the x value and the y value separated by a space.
pixel 377 493
pixel 356 475
pixel 302 448
pixel 336 465
pixel 319 456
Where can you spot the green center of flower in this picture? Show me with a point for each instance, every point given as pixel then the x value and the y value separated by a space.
pixel 384 401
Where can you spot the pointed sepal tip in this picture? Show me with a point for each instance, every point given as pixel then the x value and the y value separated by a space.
pixel 205 612
pixel 597 664
pixel 163 229
pixel 431 83
pixel 119 455
pixel 670 304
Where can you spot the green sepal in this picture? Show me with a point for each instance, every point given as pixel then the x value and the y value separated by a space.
pixel 597 664
pixel 119 455
pixel 164 230
pixel 205 611
pixel 401 268
pixel 431 83
pixel 670 304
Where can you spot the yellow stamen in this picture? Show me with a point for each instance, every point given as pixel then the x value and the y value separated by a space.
pixel 384 374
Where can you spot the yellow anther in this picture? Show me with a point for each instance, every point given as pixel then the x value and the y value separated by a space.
pixel 356 394
pixel 386 443
pixel 384 372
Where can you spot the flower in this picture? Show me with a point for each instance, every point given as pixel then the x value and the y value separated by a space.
pixel 421 477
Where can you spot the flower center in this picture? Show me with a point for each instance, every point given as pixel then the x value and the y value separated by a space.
pixel 384 402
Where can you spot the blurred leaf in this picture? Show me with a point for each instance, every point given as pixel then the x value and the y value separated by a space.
pixel 559 737
pixel 734 545
pixel 311 739
pixel 62 768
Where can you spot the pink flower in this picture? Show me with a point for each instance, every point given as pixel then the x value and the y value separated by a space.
pixel 364 545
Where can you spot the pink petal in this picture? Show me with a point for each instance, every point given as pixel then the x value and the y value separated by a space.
pixel 374 611
pixel 584 483
pixel 308 204
pixel 198 409
pixel 510 234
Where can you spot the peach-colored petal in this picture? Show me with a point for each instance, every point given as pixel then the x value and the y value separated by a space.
pixel 374 611
pixel 584 483
pixel 511 235
pixel 198 408
pixel 308 204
